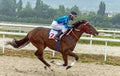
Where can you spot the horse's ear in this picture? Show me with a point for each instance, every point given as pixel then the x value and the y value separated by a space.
pixel 76 23
pixel 84 21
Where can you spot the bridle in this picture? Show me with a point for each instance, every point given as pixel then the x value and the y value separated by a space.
pixel 78 30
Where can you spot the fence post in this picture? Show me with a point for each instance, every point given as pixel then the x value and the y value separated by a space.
pixel 53 53
pixel 91 42
pixel 3 48
pixel 20 29
pixel 105 56
pixel 114 35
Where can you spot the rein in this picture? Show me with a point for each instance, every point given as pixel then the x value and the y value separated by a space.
pixel 71 31
pixel 77 38
pixel 75 35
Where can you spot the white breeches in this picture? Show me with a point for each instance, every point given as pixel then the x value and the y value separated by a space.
pixel 57 26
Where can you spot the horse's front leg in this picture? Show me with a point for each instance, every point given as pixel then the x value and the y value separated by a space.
pixel 65 58
pixel 70 53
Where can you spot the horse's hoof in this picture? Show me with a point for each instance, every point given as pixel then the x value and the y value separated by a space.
pixel 64 65
pixel 45 67
pixel 52 61
pixel 68 67
pixel 52 70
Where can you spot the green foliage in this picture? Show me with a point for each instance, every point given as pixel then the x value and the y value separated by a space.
pixel 8 7
pixel 100 21
pixel 116 21
pixel 76 9
pixel 41 10
pixel 19 6
pixel 61 10
pixel 99 42
pixel 43 13
pixel 102 8
pixel 26 12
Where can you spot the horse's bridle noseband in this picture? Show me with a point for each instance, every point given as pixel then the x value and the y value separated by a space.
pixel 78 30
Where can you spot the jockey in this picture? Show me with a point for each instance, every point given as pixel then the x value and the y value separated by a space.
pixel 61 23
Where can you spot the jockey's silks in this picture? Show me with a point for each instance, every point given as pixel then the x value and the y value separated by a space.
pixel 63 20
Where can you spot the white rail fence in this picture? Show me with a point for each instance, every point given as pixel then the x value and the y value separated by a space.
pixel 83 38
pixel 9 33
pixel 24 27
pixel 19 27
pixel 28 27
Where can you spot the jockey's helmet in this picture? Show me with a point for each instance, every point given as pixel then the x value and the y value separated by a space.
pixel 73 15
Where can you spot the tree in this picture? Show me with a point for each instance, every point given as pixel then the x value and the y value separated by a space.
pixel 38 4
pixel 38 8
pixel 102 9
pixel 14 6
pixel 27 11
pixel 28 6
pixel 43 10
pixel 19 6
pixel 8 7
pixel 116 20
pixel 76 9
pixel 61 10
pixel 51 13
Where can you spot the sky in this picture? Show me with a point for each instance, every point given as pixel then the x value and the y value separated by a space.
pixel 90 5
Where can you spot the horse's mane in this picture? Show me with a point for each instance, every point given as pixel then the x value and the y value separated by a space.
pixel 77 23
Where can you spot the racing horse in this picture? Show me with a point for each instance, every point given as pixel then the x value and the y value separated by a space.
pixel 39 37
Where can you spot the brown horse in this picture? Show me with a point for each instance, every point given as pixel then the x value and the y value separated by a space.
pixel 39 38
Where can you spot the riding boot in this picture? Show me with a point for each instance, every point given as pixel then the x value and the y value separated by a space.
pixel 58 35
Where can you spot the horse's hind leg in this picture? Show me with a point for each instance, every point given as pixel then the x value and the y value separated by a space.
pixel 39 44
pixel 39 54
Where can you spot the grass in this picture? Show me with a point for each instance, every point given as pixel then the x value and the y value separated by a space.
pixel 12 36
pixel 84 58
pixel 99 42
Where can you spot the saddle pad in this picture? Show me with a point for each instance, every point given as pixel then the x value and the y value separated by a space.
pixel 52 33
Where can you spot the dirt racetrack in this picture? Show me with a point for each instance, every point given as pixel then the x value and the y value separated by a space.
pixel 16 66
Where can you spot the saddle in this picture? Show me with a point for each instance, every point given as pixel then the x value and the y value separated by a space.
pixel 53 33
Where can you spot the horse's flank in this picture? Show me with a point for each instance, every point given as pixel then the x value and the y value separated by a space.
pixel 40 34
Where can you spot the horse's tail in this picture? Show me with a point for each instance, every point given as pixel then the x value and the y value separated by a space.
pixel 19 43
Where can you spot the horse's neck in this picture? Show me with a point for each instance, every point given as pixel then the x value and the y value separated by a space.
pixel 77 33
